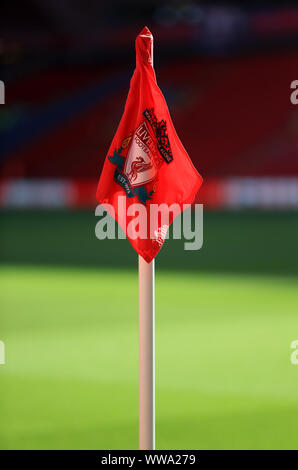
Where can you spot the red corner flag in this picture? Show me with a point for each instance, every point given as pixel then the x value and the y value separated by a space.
pixel 146 162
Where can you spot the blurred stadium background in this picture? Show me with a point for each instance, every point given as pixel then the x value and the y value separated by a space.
pixel 227 314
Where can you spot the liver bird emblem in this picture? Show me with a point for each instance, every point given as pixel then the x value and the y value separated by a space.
pixel 138 166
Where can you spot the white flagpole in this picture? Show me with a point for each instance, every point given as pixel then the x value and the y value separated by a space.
pixel 146 356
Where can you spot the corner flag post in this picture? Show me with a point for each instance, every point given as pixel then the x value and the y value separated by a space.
pixel 146 163
pixel 146 355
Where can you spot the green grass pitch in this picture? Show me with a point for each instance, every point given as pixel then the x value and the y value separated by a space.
pixel 224 379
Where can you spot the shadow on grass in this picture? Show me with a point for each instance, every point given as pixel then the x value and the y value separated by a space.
pixel 244 242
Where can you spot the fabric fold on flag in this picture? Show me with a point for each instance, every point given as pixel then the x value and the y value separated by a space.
pixel 146 164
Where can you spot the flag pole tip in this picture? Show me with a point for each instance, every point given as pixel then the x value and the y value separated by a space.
pixel 145 32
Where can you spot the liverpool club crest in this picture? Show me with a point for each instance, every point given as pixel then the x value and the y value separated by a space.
pixel 140 165
pixel 142 162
